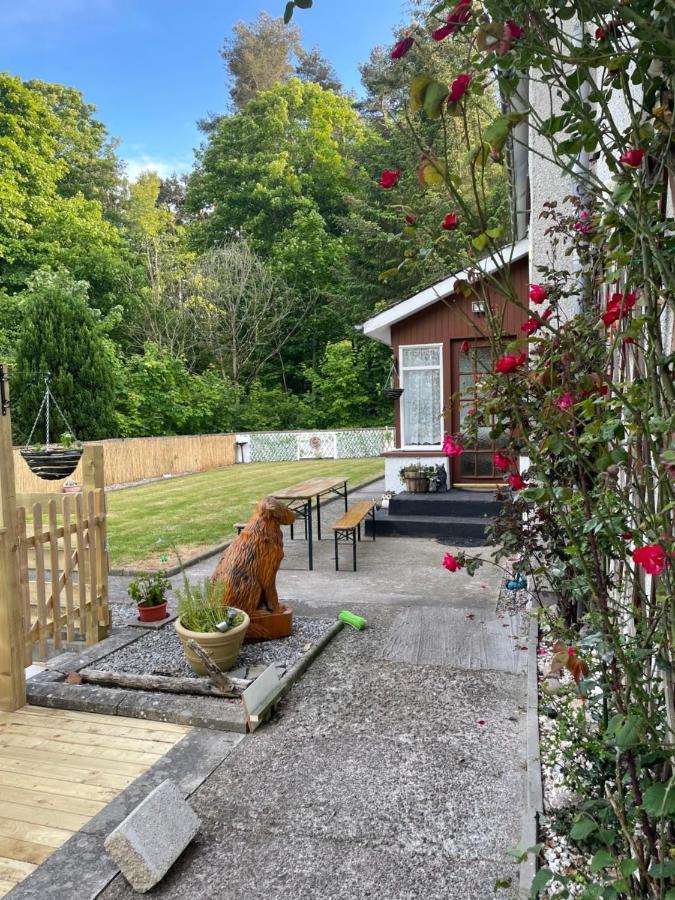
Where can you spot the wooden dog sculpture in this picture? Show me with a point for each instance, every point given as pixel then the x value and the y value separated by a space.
pixel 249 566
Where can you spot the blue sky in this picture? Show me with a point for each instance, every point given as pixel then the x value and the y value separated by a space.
pixel 152 67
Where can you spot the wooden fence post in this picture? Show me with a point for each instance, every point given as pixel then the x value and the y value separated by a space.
pixel 12 638
pixel 93 482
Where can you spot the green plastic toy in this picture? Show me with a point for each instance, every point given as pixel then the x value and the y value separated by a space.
pixel 352 619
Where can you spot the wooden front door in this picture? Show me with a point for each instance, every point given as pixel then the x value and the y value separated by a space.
pixel 475 464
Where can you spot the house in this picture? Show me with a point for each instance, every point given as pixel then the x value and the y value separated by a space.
pixel 439 350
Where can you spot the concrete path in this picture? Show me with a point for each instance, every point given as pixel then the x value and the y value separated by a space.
pixel 394 769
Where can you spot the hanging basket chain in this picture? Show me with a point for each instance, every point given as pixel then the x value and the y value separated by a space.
pixel 46 406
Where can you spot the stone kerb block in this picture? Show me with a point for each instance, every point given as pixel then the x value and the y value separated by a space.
pixel 151 838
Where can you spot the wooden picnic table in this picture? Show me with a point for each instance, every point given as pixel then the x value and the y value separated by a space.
pixel 302 495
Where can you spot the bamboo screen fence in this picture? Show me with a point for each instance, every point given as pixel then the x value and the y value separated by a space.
pixel 134 459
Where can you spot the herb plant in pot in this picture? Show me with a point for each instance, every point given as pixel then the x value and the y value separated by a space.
pixel 149 592
pixel 416 477
pixel 203 617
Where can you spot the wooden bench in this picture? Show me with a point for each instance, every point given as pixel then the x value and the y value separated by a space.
pixel 347 529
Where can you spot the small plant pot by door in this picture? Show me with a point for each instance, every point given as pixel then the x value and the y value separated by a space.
pixel 53 464
pixel 223 648
pixel 416 484
pixel 152 613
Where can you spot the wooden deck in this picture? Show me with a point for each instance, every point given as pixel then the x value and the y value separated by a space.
pixel 58 768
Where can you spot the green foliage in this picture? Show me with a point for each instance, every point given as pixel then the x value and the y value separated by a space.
pixel 149 589
pixel 201 607
pixel 59 334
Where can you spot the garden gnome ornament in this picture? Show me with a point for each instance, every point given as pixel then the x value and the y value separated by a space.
pixel 248 569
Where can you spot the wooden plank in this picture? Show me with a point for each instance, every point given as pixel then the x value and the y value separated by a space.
pixel 68 736
pixel 68 566
pixel 40 581
pixel 23 585
pixel 355 515
pixel 81 580
pixel 15 869
pixel 36 815
pixel 13 762
pixel 79 753
pixel 55 598
pixel 55 787
pixel 103 558
pixel 66 801
pixel 83 768
pixel 305 490
pixel 127 721
pixel 51 725
pixel 36 834
pixel 92 629
pixel 25 851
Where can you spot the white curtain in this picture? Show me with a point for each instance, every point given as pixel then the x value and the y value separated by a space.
pixel 421 396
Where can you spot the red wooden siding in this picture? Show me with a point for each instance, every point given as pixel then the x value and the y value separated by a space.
pixel 452 319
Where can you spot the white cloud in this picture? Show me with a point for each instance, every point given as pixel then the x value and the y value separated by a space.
pixel 143 162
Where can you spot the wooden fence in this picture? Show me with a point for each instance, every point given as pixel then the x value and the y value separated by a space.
pixel 133 459
pixel 63 570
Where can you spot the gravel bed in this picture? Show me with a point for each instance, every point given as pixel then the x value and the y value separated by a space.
pixel 160 652
pixel 510 601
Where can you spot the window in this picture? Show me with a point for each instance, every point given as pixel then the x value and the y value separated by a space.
pixel 421 412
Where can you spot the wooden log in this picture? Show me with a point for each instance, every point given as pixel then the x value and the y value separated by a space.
pixel 217 678
pixel 165 683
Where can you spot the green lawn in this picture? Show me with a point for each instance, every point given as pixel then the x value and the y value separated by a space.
pixel 195 511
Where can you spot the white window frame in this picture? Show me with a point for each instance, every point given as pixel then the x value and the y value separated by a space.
pixel 401 378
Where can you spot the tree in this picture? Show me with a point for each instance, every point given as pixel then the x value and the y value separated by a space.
pixel 258 57
pixel 59 334
pixel 91 166
pixel 313 66
pixel 242 310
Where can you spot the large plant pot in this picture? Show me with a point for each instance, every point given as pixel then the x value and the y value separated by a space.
pixel 223 648
pixel 416 484
pixel 53 464
pixel 152 613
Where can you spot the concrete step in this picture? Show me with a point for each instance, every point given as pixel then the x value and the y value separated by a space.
pixel 452 529
pixel 454 503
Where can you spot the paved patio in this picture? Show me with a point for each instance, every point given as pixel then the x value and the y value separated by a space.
pixel 395 767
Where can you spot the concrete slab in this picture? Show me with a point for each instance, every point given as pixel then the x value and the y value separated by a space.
pixel 458 638
pixel 152 837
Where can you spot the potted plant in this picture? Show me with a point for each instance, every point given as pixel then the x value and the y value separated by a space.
pixel 149 593
pixel 203 617
pixel 416 477
pixel 71 487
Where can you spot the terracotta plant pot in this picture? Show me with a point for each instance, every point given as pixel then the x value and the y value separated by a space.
pixel 223 648
pixel 152 613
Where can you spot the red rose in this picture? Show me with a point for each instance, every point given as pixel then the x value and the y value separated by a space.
pixel 442 32
pixel 512 30
pixel 601 33
pixel 611 316
pixel 530 326
pixel 537 293
pixel 570 651
pixel 459 87
pixel 565 401
pixel 451 448
pixel 410 219
pixel 450 563
pixel 466 346
pixel 401 48
pixel 628 340
pixel 618 307
pixel 547 314
pixel 389 178
pixel 500 461
pixel 516 482
pixel 652 558
pixel 449 222
pixel 509 363
pixel 632 157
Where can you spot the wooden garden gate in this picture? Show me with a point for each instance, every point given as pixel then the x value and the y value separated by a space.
pixel 53 564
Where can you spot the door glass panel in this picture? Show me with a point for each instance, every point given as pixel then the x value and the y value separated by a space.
pixel 421 401
pixel 484 441
pixel 483 465
pixel 483 359
pixel 466 465
pixel 467 386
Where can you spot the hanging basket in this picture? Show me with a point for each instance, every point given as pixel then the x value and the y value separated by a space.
pixel 392 393
pixel 53 464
